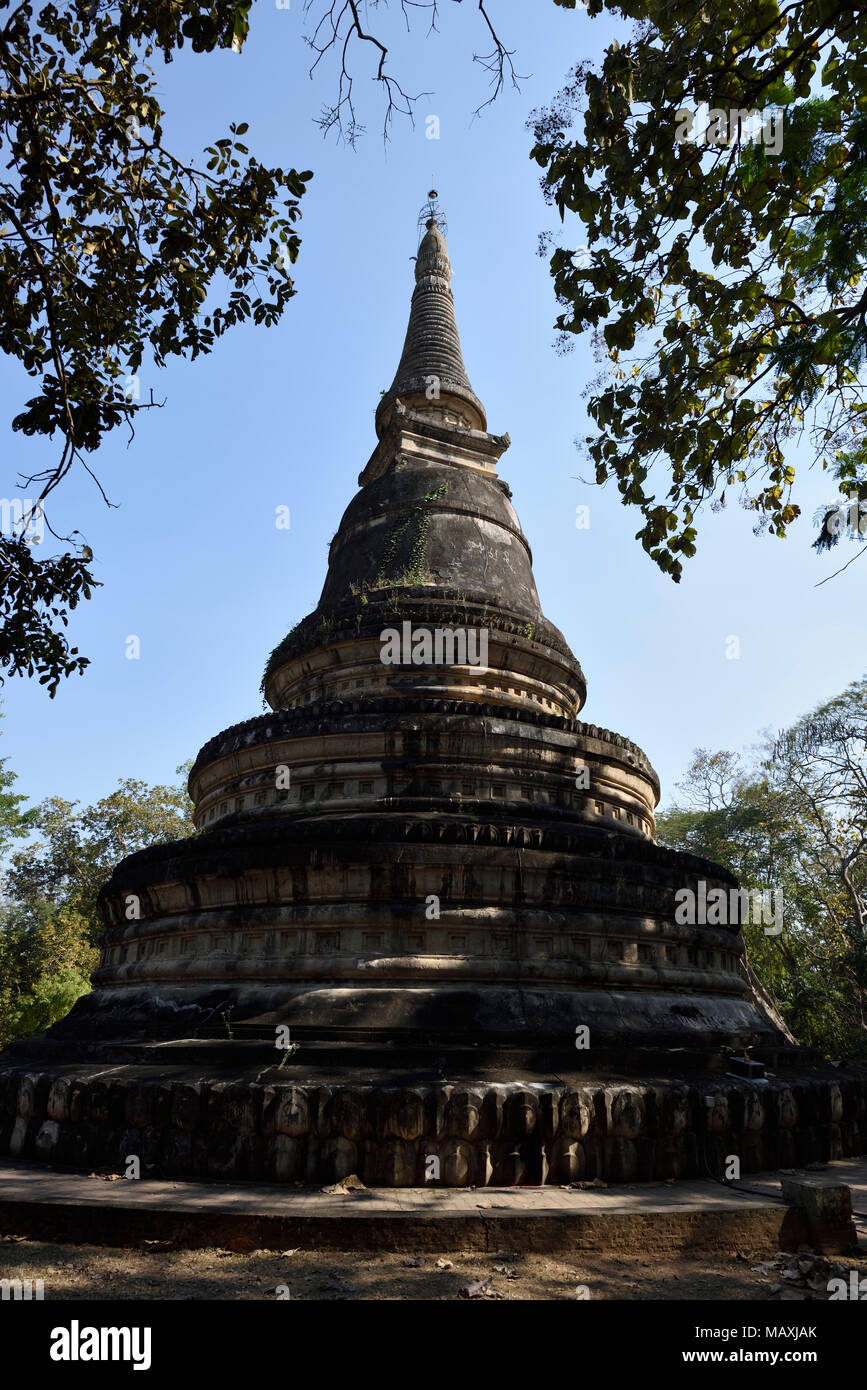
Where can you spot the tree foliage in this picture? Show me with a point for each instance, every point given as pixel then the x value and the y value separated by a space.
pixel 75 850
pixel 796 821
pixel 110 246
pixel 724 277
pixel 14 822
pixel 49 923
pixel 46 957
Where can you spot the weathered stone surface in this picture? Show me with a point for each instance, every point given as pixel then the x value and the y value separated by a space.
pixel 347 1115
pixel 397 1165
pixel 520 1114
pixel 47 1139
pixel 292 1111
pixel 339 1158
pixel 785 1108
pixel 31 1096
pixel 626 1114
pixel 21 1139
pixel 449 899
pixel 460 1163
pixel 186 1107
pixel 284 1160
pixel 58 1100
pixel 176 1150
pixel 404 1115
pixel 240 1109
pixel 827 1210
pixel 139 1106
pixel 567 1161
pixel 576 1114
pixel 465 1114
pixel 503 1133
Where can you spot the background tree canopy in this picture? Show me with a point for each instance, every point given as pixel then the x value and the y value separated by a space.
pixel 109 245
pixel 49 922
pixel 723 274
pixel 796 820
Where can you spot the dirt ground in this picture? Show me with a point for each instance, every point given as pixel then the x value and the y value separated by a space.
pixel 86 1272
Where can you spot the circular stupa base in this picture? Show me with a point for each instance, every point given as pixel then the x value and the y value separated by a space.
pixel 397 1127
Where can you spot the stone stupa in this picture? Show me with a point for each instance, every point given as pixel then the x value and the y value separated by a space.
pixel 434 881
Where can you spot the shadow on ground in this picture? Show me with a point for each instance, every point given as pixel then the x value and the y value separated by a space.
pixel 88 1272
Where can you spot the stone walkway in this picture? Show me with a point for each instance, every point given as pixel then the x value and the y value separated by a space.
pixel 655 1218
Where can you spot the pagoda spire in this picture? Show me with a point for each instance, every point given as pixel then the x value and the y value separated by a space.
pixel 431 376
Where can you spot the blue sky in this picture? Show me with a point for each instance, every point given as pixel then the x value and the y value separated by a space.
pixel 191 560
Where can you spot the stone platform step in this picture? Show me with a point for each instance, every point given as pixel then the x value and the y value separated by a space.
pixel 254 1046
pixel 699 1216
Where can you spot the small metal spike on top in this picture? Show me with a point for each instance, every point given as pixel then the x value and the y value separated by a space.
pixel 432 211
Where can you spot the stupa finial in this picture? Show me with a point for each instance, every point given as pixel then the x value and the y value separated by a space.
pixel 431 375
pixel 432 215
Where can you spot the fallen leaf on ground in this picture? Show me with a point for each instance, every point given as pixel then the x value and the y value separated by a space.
pixel 477 1289
pixel 346 1185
